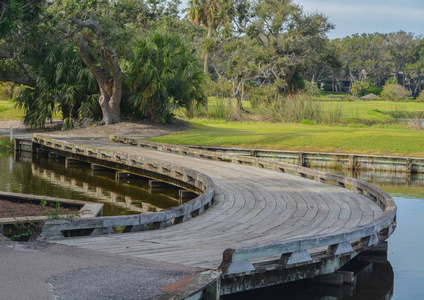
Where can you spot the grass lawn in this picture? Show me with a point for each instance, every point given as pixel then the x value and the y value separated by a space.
pixel 384 140
pixel 9 112
pixel 378 110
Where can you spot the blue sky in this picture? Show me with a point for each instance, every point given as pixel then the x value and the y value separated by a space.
pixel 367 16
pixel 370 16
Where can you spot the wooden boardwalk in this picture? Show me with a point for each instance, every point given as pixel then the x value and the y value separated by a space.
pixel 252 207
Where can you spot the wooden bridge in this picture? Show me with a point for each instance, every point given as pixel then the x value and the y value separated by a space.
pixel 266 222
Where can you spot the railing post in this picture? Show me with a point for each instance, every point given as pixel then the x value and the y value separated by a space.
pixel 228 266
pixel 296 257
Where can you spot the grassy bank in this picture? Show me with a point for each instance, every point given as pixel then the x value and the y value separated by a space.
pixel 380 140
pixel 5 143
pixel 8 110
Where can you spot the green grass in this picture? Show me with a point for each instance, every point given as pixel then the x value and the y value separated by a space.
pixel 323 96
pixel 8 110
pixel 377 111
pixel 384 140
pixel 5 143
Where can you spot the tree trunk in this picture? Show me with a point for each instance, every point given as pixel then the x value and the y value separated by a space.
pixel 206 62
pixel 417 88
pixel 108 75
pixel 110 105
pixel 334 88
pixel 240 99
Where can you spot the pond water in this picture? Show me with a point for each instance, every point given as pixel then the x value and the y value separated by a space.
pixel 399 277
pixel 48 177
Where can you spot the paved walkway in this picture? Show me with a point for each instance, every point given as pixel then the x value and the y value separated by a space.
pixel 253 207
pixel 40 270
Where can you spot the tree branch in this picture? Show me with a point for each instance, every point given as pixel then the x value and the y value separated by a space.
pixel 91 24
pixel 244 80
pixel 4 54
pixel 18 80
pixel 89 60
pixel 67 34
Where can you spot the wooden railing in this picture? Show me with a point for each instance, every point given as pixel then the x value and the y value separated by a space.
pixel 357 162
pixel 154 220
pixel 297 251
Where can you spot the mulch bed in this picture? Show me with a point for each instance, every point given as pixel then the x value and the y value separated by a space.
pixel 11 209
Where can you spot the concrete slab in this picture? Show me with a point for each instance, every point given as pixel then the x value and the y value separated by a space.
pixel 39 270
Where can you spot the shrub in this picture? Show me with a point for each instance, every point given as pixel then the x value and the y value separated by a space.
pixel 311 88
pixel 261 95
pixel 293 109
pixel 5 143
pixel 307 122
pixel 376 90
pixel 163 74
pixel 220 89
pixel 327 88
pixel 393 92
pixel 359 88
pixel 420 98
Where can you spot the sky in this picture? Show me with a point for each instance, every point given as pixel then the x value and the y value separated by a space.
pixel 370 16
pixel 367 16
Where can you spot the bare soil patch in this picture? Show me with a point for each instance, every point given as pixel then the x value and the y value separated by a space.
pixel 11 209
pixel 133 128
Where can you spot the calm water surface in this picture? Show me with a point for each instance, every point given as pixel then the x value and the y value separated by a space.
pixel 401 277
pixel 47 177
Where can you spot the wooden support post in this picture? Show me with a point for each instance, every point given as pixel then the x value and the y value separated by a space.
pixel 353 162
pixel 300 160
pixel 119 175
pixel 53 155
pixel 348 276
pixel 409 166
pixel 71 161
pixel 184 194
pixel 95 167
pixel 41 151
pixel 159 184
pixel 330 279
pixel 376 254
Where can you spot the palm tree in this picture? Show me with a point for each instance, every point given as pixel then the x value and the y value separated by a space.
pixel 163 74
pixel 208 14
pixel 62 83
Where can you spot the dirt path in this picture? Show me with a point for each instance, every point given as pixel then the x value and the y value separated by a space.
pixel 142 129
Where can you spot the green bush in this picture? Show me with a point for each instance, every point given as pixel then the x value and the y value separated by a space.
pixel 327 88
pixel 307 122
pixel 260 95
pixel 393 92
pixel 420 98
pixel 376 90
pixel 5 143
pixel 163 74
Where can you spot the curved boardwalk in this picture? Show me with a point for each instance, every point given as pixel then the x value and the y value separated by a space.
pixel 252 207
